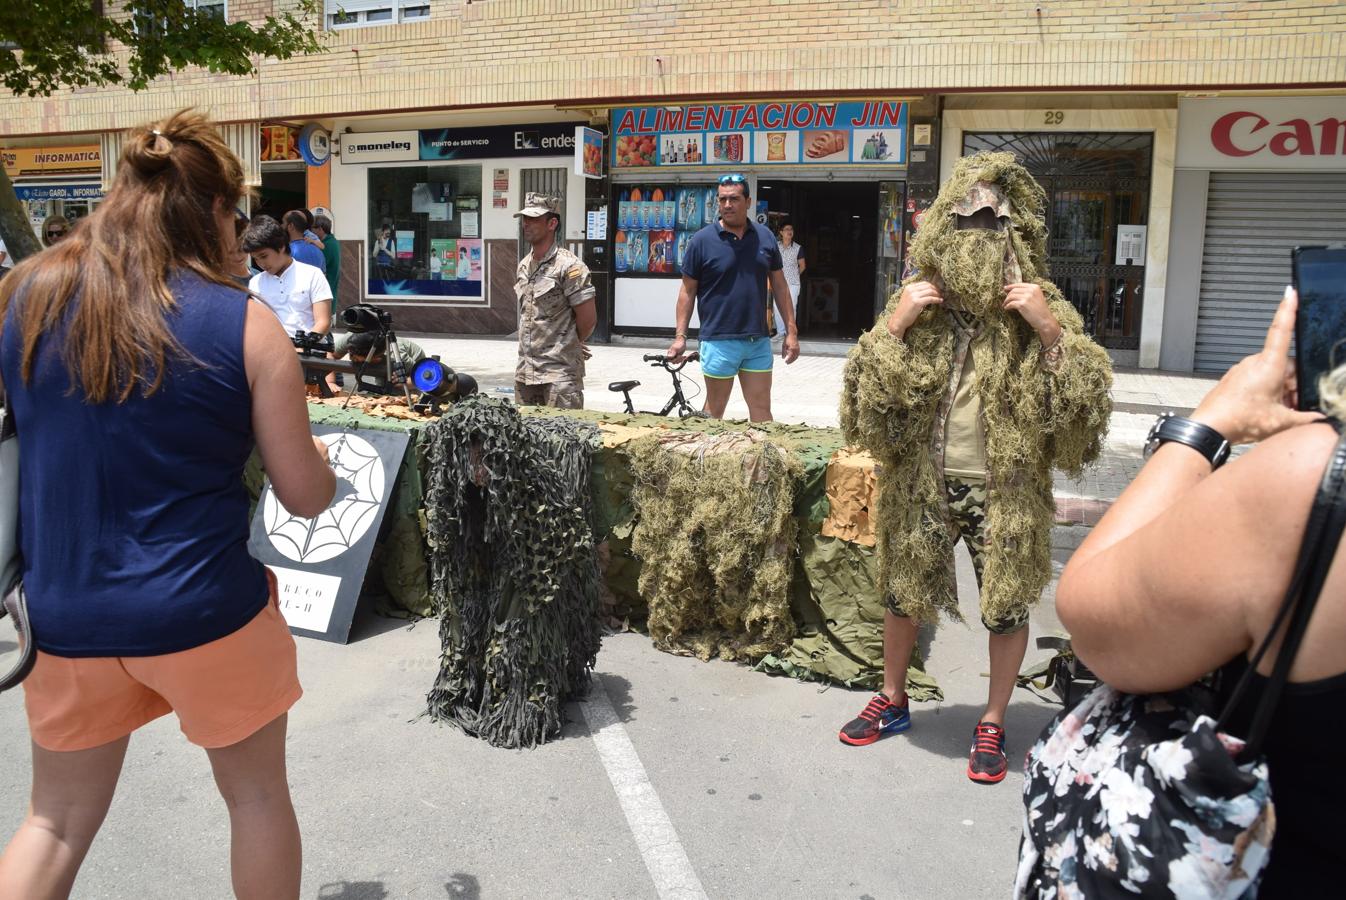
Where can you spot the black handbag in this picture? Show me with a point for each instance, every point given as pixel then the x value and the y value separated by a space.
pixel 12 600
pixel 1131 795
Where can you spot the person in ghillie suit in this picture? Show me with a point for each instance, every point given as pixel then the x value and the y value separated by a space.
pixel 973 384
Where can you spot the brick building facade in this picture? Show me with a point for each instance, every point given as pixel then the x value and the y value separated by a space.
pixel 1094 94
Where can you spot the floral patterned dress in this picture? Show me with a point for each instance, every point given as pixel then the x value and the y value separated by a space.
pixel 1140 796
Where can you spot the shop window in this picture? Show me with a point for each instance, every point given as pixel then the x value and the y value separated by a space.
pixel 1098 189
pixel 424 234
pixel 358 13
pixel 655 222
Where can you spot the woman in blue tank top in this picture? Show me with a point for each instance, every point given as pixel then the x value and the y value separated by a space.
pixel 141 377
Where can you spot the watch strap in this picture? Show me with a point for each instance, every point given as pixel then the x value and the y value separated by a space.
pixel 1182 430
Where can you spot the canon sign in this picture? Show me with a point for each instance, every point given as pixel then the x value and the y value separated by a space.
pixel 1240 134
pixel 1263 133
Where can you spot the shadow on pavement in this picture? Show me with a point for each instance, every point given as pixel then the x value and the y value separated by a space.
pixel 462 886
pixel 353 890
pixel 619 693
pixel 946 729
pixel 368 623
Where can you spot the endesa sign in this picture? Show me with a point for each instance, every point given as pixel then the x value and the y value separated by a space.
pixel 1263 133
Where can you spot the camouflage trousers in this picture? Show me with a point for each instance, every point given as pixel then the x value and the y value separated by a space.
pixel 966 500
pixel 558 394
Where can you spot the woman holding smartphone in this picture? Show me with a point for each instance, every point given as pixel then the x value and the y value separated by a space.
pixel 1187 570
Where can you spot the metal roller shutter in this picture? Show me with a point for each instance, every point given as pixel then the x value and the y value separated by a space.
pixel 1252 221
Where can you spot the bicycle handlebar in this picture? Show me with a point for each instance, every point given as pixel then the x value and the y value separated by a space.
pixel 659 359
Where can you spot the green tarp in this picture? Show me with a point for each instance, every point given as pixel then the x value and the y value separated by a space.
pixel 836 605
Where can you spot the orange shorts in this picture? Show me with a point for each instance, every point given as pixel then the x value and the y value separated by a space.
pixel 223 691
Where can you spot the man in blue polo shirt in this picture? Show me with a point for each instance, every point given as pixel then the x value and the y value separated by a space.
pixel 725 272
pixel 304 251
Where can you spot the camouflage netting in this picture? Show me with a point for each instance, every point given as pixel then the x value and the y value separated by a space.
pixel 717 539
pixel 513 568
pixel 1035 417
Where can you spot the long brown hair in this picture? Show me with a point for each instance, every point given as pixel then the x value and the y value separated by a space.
pixel 108 281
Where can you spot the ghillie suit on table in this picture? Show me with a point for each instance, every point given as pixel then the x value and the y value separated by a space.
pixel 513 569
pixel 1039 410
pixel 717 540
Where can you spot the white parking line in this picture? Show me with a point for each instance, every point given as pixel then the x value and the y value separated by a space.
pixel 668 865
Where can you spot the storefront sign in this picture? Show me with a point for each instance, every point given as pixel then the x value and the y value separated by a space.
pixel 1263 133
pixel 59 191
pixel 380 147
pixel 315 144
pixel 760 134
pixel 442 144
pixel 280 143
pixel 588 152
pixel 23 162
pixel 551 139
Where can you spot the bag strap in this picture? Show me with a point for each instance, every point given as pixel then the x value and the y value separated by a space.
pixel 1327 522
pixel 16 606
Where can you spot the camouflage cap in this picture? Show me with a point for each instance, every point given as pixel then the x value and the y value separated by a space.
pixel 535 204
pixel 983 195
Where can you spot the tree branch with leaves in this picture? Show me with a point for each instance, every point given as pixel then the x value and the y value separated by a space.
pixel 51 45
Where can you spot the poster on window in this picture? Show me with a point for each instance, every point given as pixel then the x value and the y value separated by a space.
pixel 588 152
pixel 406 244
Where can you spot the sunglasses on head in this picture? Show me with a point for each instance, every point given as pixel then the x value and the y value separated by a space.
pixel 733 179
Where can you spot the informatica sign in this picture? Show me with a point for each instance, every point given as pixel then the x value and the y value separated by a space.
pixel 27 162
pixel 760 134
pixel 451 144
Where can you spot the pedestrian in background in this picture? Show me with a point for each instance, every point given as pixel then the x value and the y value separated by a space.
pixel 6 262
pixel 54 230
pixel 296 291
pixel 725 273
pixel 792 267
pixel 140 391
pixel 331 251
pixel 301 248
pixel 556 311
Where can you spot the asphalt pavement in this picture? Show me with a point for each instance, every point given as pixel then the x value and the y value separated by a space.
pixel 675 779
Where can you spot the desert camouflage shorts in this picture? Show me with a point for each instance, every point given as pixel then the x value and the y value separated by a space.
pixel 561 395
pixel 966 498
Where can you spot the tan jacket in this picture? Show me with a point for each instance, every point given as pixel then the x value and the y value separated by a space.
pixel 549 343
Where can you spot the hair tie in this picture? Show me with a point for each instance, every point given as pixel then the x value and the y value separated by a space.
pixel 157 133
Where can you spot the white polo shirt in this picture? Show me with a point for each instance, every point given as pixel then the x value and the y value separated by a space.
pixel 292 295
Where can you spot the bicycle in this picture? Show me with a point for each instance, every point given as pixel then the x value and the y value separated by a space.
pixel 677 401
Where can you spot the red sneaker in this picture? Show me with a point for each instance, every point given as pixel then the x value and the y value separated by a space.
pixel 987 763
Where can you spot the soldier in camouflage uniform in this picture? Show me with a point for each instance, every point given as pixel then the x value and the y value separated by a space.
pixel 556 312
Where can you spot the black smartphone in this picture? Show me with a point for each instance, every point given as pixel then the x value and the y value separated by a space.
pixel 1320 326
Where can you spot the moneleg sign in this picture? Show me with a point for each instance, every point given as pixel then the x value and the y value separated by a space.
pixel 1263 133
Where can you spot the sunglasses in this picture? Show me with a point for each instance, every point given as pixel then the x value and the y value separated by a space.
pixel 57 233
pixel 733 179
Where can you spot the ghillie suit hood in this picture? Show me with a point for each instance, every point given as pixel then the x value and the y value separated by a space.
pixel 1036 416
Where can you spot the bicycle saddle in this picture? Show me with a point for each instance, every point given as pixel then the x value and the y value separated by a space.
pixel 620 386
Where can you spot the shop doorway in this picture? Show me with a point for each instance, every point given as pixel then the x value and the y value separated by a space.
pixel 836 225
pixel 282 190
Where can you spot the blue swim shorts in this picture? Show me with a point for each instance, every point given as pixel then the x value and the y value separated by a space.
pixel 726 358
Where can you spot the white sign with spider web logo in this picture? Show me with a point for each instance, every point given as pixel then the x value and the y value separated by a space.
pixel 320 562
